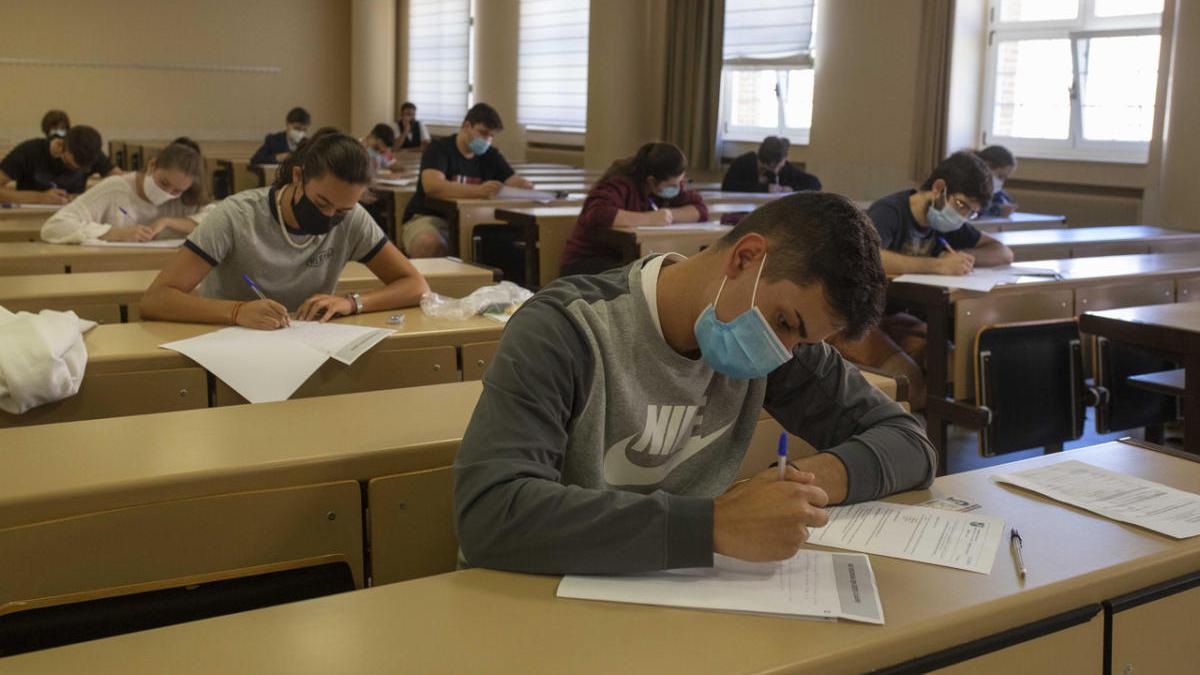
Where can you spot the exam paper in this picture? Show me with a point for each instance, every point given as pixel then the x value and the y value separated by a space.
pixel 509 192
pixel 396 182
pixel 815 584
pixel 966 541
pixel 981 279
pixel 267 366
pixel 153 243
pixel 1128 499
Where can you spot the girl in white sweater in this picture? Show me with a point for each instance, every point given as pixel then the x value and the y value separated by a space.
pixel 164 201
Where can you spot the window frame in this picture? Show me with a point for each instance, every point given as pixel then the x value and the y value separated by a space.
pixel 1084 26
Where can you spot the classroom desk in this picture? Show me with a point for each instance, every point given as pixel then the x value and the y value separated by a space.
pixel 1098 592
pixel 1169 330
pixel 462 215
pixel 1018 221
pixel 26 228
pixel 43 258
pixel 112 297
pixel 1081 242
pixel 1086 284
pixel 547 229
pixel 128 374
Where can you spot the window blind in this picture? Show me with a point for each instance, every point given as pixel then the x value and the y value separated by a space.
pixel 774 32
pixel 552 68
pixel 439 41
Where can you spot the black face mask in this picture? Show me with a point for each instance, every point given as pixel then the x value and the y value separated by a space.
pixel 310 219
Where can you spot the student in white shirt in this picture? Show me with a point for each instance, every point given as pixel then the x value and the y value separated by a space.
pixel 164 201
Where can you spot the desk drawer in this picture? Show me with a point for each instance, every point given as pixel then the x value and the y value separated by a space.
pixel 120 394
pixel 1187 290
pixel 375 370
pixel 100 313
pixel 476 357
pixel 412 525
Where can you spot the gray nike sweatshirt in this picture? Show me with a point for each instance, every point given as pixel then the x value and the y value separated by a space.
pixel 596 448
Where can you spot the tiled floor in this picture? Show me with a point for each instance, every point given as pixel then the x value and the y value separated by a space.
pixel 964 446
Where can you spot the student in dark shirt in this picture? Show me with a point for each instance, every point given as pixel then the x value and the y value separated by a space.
pixel 926 231
pixel 462 166
pixel 768 171
pixel 1002 164
pixel 277 146
pixel 413 135
pixel 50 170
pixel 646 189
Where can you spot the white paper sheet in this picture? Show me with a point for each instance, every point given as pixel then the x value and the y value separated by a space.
pixel 508 192
pixel 1128 499
pixel 981 279
pixel 35 207
pixel 966 541
pixel 153 243
pixel 815 584
pixel 396 182
pixel 267 366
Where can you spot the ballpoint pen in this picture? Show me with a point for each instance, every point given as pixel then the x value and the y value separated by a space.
pixel 1015 543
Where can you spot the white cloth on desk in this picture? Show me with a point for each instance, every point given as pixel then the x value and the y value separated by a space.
pixel 42 357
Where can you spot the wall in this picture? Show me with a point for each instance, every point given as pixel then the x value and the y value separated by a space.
pixel 308 39
pixel 497 23
pixel 863 100
pixel 1175 201
pixel 372 64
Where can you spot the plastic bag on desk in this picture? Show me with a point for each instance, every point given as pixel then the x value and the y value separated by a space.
pixel 494 302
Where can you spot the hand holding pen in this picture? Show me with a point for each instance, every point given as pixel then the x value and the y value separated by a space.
pixel 263 314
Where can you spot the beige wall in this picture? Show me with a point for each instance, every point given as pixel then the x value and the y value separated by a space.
pixel 372 64
pixel 1175 199
pixel 496 69
pixel 309 40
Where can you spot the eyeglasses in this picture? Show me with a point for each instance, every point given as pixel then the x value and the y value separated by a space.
pixel 964 209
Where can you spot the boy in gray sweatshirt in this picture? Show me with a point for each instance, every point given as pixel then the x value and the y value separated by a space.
pixel 619 406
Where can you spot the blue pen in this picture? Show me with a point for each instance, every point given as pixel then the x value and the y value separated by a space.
pixel 258 291
pixel 945 244
pixel 783 455
pixel 122 210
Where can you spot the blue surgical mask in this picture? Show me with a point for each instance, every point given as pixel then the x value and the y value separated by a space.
pixel 945 219
pixel 478 146
pixel 745 348
pixel 668 192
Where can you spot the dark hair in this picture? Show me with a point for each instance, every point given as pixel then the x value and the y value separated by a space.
pixel 997 156
pixel 482 113
pixel 327 151
pixel 659 161
pixel 83 142
pixel 966 174
pixel 299 116
pixel 773 150
pixel 54 119
pixel 385 133
pixel 820 237
pixel 406 105
pixel 183 154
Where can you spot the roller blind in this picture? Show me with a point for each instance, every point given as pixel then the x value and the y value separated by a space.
pixel 552 67
pixel 439 42
pixel 774 32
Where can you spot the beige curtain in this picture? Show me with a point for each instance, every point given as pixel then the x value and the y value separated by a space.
pixel 695 31
pixel 933 88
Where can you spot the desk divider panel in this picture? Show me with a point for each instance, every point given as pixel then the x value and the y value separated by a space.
pixel 118 394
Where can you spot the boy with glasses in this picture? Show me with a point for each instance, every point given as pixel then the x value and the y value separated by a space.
pixel 927 231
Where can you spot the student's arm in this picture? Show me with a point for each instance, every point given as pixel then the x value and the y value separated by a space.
pixel 437 186
pixel 989 252
pixel 517 181
pixel 170 298
pixel 264 155
pixel 14 196
pixel 511 510
pixel 688 207
pixel 949 264
pixel 869 447
pixel 742 176
pixel 404 286
pixel 78 221
pixel 604 208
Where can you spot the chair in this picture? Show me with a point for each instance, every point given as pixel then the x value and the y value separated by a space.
pixel 503 246
pixel 1127 406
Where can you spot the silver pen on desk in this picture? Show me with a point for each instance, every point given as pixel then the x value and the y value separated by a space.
pixel 1015 543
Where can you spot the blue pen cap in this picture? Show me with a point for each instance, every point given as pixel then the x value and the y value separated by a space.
pixel 783 445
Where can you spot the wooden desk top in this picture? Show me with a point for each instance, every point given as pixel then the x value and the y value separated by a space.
pixel 1174 327
pixel 1080 272
pixel 68 254
pixel 123 347
pixel 55 470
pixel 26 212
pixel 571 211
pixel 515 624
pixel 1083 235
pixel 1018 218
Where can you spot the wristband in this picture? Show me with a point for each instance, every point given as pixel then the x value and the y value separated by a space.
pixel 237 308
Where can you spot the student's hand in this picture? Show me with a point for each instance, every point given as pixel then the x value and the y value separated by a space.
pixel 773 188
pixel 1007 210
pixel 55 196
pixel 159 225
pixel 661 217
pixel 954 263
pixel 490 188
pixel 263 315
pixel 766 518
pixel 129 233
pixel 321 307
pixel 525 183
pixel 280 156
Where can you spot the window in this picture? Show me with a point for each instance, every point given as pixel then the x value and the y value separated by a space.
pixel 439 59
pixel 1072 79
pixel 552 66
pixel 767 76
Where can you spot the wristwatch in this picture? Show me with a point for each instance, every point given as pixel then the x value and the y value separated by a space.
pixel 358 303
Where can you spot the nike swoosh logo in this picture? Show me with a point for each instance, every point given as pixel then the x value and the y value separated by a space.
pixel 618 470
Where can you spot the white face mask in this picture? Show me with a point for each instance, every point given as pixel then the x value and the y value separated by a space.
pixel 997 184
pixel 296 135
pixel 156 195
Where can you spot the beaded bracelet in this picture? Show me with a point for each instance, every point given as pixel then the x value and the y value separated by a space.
pixel 237 308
